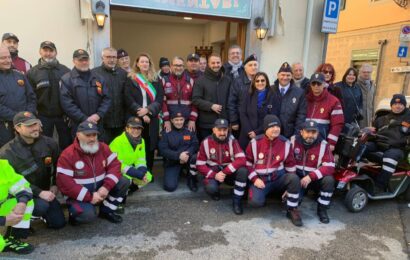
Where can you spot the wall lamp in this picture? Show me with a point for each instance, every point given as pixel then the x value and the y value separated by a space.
pixel 100 13
pixel 260 28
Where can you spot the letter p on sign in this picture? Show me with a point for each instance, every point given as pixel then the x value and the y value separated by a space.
pixel 332 8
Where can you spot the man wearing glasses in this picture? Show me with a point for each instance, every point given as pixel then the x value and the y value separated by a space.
pixel 178 95
pixel 234 67
pixel 367 87
pixel 114 77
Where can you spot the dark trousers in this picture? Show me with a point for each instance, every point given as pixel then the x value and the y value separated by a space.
pixel 325 186
pixel 391 157
pixel 50 211
pixel 173 169
pixel 85 212
pixel 63 131
pixel 286 182
pixel 6 132
pixel 237 179
pixel 111 133
pixel 149 148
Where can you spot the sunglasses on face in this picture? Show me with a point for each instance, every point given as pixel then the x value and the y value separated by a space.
pixel 260 81
pixel 315 84
pixel 327 72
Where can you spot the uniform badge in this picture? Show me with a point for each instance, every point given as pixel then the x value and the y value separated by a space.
pixel 187 137
pixel 213 150
pixel 297 150
pixel 277 157
pixel 312 157
pixel 322 110
pixel 99 87
pixel 90 125
pixel 27 114
pixel 188 86
pixel 104 163
pixel 226 153
pixel 261 155
pixel 79 165
pixel 48 160
pixel 294 100
pixel 20 82
pixel 168 85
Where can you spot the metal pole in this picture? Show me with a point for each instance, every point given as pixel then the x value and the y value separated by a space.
pixel 325 48
pixel 308 32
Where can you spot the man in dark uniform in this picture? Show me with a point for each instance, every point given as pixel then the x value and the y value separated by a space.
pixel 35 157
pixel 192 66
pixel 84 95
pixel 11 41
pixel 45 79
pixel 16 95
pixel 114 78
pixel 179 148
pixel 292 102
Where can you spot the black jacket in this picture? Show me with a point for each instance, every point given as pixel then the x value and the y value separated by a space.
pixel 36 162
pixel 80 99
pixel 228 71
pixel 45 79
pixel 391 130
pixel 292 112
pixel 211 88
pixel 134 100
pixel 16 94
pixel 115 82
pixel 352 100
pixel 238 86
pixel 252 116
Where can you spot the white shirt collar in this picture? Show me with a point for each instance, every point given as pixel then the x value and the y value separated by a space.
pixel 285 87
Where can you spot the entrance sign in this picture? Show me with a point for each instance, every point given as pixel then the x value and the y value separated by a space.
pixel 227 8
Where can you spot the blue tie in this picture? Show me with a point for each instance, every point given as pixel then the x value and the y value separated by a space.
pixel 282 91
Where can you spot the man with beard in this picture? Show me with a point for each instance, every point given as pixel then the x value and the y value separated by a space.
pixel 221 160
pixel 114 78
pixel 83 93
pixel 192 68
pixel 315 166
pixel 234 67
pixel 16 95
pixel 271 167
pixel 89 174
pixel 179 147
pixel 10 41
pixel 178 95
pixel 210 96
pixel 130 149
pixel 35 157
pixel 45 78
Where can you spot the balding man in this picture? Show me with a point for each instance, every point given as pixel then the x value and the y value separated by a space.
pixel 16 95
pixel 367 87
pixel 299 75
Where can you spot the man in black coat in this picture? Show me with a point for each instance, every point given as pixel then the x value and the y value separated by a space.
pixel 114 78
pixel 234 67
pixel 84 95
pixel 292 102
pixel 299 76
pixel 45 78
pixel 210 96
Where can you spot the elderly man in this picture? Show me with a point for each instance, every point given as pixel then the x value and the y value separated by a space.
pixel 89 174
pixel 17 95
pixel 367 87
pixel 233 67
pixel 45 78
pixel 299 76
pixel 84 95
pixel 10 41
pixel 114 78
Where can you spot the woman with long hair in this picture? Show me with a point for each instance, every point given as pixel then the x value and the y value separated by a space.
pixel 143 98
pixel 352 96
pixel 256 103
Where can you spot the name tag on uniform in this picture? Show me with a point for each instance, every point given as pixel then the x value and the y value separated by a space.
pixel 261 161
pixel 187 137
pixel 168 90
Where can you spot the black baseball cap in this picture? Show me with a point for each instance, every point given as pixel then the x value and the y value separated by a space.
pixel 310 125
pixel 193 56
pixel 48 44
pixel 81 54
pixel 135 122
pixel 317 77
pixel 7 36
pixel 25 118
pixel 270 121
pixel 221 123
pixel 88 127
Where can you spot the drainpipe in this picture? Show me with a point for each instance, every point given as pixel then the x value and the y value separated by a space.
pixel 308 31
pixel 382 43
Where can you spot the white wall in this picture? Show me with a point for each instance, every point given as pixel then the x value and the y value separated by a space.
pixel 157 39
pixel 40 20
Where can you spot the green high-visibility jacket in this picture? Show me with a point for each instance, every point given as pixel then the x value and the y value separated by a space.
pixel 130 157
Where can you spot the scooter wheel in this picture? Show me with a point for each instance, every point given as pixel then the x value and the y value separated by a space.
pixel 356 199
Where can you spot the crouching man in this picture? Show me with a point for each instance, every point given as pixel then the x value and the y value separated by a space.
pixel 315 166
pixel 89 174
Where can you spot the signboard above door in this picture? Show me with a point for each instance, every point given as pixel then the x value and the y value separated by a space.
pixel 226 8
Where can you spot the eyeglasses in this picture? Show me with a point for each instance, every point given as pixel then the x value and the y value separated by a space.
pixel 178 65
pixel 327 72
pixel 110 57
pixel 260 81
pixel 315 83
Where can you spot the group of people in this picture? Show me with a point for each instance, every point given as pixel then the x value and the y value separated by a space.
pixel 225 122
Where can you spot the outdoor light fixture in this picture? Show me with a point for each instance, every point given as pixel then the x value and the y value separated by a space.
pixel 100 13
pixel 260 28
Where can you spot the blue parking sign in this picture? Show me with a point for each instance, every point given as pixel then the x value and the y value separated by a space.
pixel 332 9
pixel 402 52
pixel 330 16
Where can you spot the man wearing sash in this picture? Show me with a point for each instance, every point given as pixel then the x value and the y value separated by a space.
pixel 84 95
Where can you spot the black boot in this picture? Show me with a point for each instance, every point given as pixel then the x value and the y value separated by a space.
pixel 216 196
pixel 192 182
pixel 112 217
pixel 237 206
pixel 322 213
